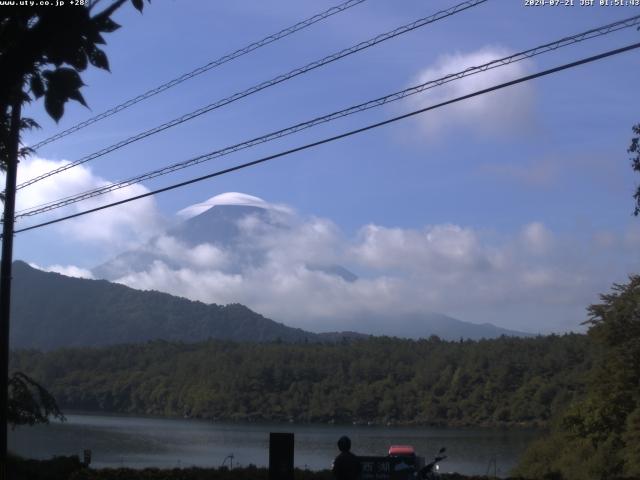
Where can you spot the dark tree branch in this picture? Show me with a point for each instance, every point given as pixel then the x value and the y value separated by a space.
pixel 29 402
pixel 635 164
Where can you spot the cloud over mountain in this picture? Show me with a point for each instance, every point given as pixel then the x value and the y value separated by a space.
pixel 230 198
pixel 300 270
pixel 305 271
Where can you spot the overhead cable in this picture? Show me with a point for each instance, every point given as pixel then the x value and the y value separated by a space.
pixel 341 136
pixel 257 88
pixel 563 42
pixel 202 69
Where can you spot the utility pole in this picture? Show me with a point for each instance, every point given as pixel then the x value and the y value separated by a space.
pixel 13 146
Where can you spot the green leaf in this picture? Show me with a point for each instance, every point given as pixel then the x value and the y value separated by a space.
pixel 77 96
pixel 37 87
pixel 105 24
pixel 28 124
pixel 54 105
pixel 99 59
pixel 94 37
pixel 65 79
pixel 47 74
pixel 78 60
pixel 63 84
pixel 138 4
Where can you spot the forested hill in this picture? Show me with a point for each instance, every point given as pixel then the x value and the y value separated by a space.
pixel 50 311
pixel 503 381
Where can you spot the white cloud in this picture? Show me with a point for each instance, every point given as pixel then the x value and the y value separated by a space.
pixel 531 280
pixel 67 270
pixel 210 286
pixel 436 248
pixel 498 113
pixel 202 256
pixel 230 198
pixel 312 241
pixel 291 293
pixel 113 228
pixel 537 238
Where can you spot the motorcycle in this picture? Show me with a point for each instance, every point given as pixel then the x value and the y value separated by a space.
pixel 430 471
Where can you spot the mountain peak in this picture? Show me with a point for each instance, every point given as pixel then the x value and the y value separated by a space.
pixel 228 198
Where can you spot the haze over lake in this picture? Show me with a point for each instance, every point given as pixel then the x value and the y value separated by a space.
pixel 138 442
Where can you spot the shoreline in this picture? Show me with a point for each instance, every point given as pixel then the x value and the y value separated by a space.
pixel 71 468
pixel 541 426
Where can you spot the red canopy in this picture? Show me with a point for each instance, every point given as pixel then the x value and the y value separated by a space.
pixel 401 450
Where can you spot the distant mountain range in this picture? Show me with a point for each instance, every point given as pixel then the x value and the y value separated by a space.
pixel 51 311
pixel 446 327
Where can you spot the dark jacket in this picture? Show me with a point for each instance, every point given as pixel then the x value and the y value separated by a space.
pixel 346 466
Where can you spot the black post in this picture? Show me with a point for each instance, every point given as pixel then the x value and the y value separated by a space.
pixel 5 276
pixel 281 456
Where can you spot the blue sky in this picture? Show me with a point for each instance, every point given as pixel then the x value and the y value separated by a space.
pixel 535 178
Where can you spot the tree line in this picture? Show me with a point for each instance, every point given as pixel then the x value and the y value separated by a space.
pixel 598 435
pixel 505 381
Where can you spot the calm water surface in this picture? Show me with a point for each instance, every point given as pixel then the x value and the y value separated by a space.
pixel 152 442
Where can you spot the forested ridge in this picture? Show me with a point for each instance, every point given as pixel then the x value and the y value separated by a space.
pixel 505 381
pixel 50 311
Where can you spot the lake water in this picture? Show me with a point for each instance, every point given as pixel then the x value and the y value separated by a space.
pixel 155 442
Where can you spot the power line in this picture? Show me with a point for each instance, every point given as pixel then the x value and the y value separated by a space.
pixel 565 41
pixel 256 88
pixel 202 69
pixel 599 31
pixel 342 135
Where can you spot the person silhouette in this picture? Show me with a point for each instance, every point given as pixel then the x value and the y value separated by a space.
pixel 346 465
